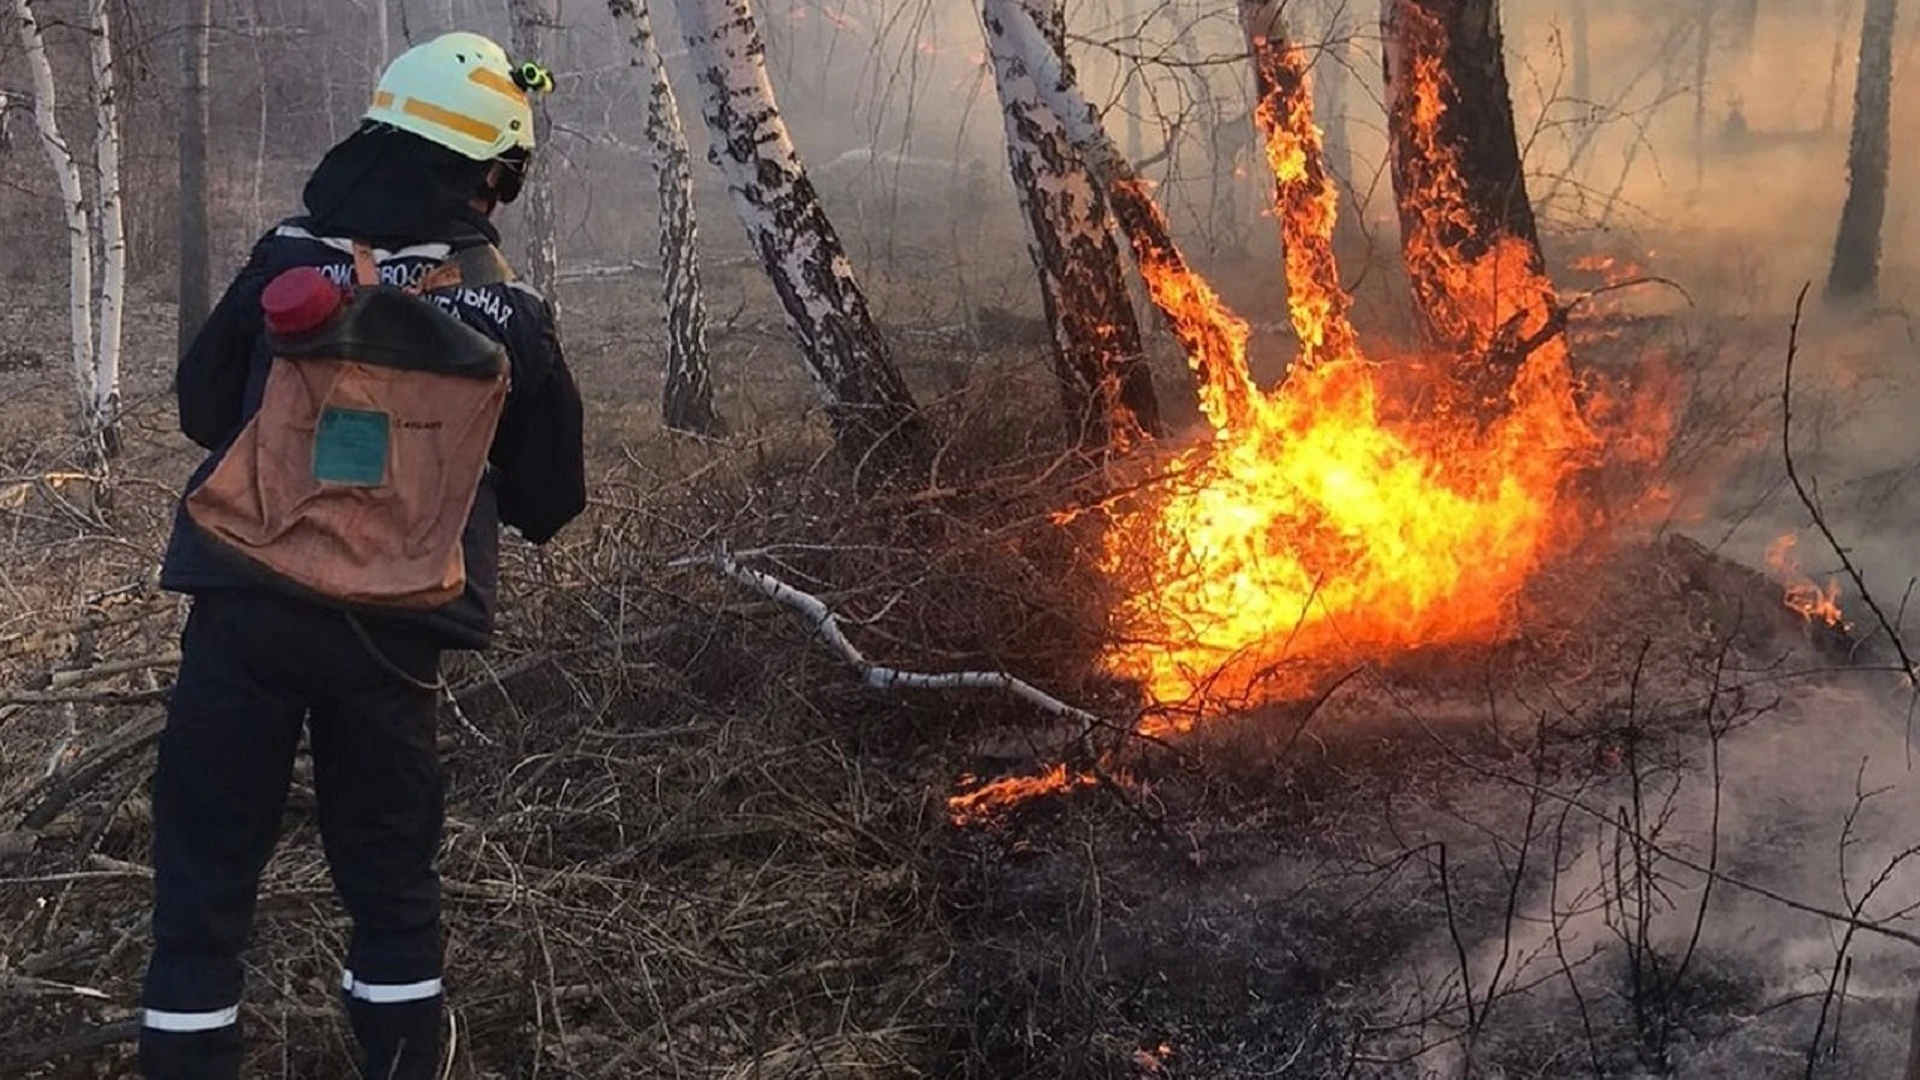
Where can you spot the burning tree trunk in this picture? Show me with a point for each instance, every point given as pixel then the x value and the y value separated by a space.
pixel 1457 176
pixel 688 401
pixel 1856 250
pixel 1305 200
pixel 195 287
pixel 874 417
pixel 530 20
pixel 1206 330
pixel 1097 346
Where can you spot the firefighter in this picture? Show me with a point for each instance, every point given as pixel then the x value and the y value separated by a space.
pixel 447 140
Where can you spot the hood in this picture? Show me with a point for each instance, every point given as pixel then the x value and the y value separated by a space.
pixel 393 188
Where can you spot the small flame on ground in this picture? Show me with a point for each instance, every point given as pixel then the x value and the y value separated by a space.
pixel 1802 595
pixel 986 801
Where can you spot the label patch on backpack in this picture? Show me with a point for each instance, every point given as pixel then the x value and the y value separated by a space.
pixel 350 447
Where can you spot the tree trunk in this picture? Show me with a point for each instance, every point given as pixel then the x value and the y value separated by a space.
pixel 1305 201
pixel 102 423
pixel 1856 250
pixel 530 19
pixel 687 404
pixel 1098 352
pixel 1214 338
pixel 66 170
pixel 1582 53
pixel 196 259
pixel 1457 176
pixel 876 424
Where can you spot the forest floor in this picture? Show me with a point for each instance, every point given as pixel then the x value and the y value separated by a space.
pixel 682 841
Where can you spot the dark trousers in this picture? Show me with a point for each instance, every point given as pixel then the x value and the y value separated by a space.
pixel 255 668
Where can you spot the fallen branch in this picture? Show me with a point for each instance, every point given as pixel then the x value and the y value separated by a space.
pixel 26 986
pixel 825 623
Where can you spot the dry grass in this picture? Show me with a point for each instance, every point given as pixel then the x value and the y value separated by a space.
pixel 679 841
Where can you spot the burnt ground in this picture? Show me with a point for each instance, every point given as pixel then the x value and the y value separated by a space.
pixel 683 843
pixel 1305 905
pixel 1493 863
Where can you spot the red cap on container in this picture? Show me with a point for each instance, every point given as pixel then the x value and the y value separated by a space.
pixel 300 300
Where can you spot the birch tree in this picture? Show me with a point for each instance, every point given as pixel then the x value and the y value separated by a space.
pixel 1098 353
pixel 877 427
pixel 95 361
pixel 530 21
pixel 195 287
pixel 687 404
pixel 113 232
pixel 1856 248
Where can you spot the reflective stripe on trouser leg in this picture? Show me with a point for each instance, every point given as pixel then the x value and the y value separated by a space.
pixel 397 1026
pixel 187 1022
pixel 218 791
pixel 390 993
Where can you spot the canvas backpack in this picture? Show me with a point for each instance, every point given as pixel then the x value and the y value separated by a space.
pixel 353 481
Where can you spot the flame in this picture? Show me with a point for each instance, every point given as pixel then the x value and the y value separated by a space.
pixel 982 802
pixel 1307 202
pixel 1802 595
pixel 1351 508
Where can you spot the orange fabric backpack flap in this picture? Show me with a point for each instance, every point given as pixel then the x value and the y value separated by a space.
pixel 354 479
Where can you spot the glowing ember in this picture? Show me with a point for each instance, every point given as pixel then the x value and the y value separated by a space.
pixel 983 803
pixel 1810 600
pixel 1326 517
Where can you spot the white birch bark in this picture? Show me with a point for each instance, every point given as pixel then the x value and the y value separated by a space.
pixel 113 234
pixel 73 200
pixel 1226 393
pixel 1098 353
pixel 876 425
pixel 687 403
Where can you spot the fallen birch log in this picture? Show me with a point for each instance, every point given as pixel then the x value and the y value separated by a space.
pixel 826 624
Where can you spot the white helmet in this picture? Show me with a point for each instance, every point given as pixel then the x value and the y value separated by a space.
pixel 460 91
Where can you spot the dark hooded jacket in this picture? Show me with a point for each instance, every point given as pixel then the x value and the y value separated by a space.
pixel 410 200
